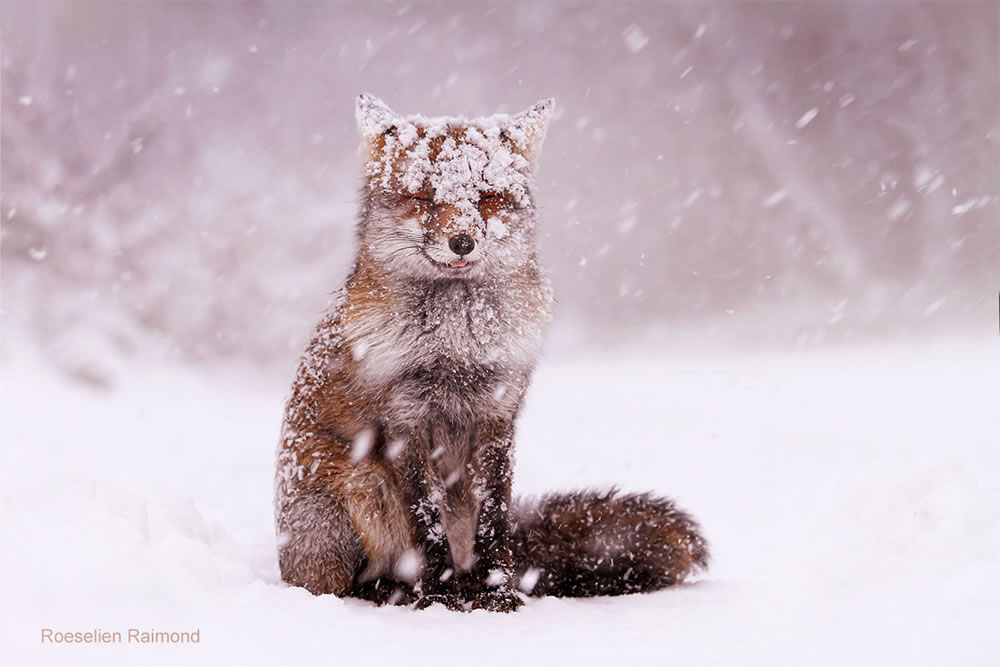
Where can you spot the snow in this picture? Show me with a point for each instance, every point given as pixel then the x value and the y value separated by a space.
pixel 529 579
pixel 628 217
pixel 898 209
pixel 775 198
pixel 408 567
pixel 934 307
pixel 635 39
pixel 963 208
pixel 495 578
pixel 496 228
pixel 850 495
pixel 922 175
pixel 359 350
pixel 694 196
pixel 362 444
pixel 807 118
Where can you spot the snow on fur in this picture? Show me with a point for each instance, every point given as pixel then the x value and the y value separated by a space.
pixel 458 158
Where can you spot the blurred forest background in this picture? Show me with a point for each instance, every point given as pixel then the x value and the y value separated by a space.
pixel 179 178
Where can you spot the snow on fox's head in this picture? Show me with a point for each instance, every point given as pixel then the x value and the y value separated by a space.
pixel 449 196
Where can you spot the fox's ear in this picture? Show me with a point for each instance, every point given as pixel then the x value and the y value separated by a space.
pixel 373 115
pixel 528 128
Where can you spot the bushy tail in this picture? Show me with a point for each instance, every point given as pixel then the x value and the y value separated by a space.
pixel 592 543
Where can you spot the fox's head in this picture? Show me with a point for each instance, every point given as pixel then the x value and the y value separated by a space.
pixel 449 197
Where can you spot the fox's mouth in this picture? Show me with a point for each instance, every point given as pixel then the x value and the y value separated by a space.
pixel 454 266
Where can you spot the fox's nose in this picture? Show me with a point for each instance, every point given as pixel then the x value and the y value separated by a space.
pixel 461 244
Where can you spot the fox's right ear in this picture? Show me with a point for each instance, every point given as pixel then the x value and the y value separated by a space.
pixel 528 128
pixel 374 117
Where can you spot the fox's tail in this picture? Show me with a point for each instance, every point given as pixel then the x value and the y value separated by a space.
pixel 601 543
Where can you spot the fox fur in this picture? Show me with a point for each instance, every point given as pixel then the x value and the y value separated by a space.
pixel 395 462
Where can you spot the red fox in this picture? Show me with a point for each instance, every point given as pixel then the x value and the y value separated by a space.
pixel 394 468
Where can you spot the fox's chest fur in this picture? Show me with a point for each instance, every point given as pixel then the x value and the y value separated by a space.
pixel 449 349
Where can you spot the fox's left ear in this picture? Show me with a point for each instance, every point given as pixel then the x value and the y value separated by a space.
pixel 528 128
pixel 373 115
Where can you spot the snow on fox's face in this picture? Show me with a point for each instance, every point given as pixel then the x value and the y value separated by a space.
pixel 449 197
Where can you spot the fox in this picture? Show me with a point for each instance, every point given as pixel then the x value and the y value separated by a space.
pixel 395 463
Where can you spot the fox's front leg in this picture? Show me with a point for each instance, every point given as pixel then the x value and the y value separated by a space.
pixel 490 582
pixel 435 583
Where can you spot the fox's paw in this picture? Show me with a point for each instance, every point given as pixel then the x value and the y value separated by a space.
pixel 400 596
pixel 384 592
pixel 449 600
pixel 498 599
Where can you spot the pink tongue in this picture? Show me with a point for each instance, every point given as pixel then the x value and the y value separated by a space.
pixel 459 262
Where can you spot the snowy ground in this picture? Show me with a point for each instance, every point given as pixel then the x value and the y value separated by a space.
pixel 850 495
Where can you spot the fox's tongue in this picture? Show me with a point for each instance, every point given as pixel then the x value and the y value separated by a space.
pixel 459 262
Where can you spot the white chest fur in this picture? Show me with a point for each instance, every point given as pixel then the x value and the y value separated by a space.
pixel 450 322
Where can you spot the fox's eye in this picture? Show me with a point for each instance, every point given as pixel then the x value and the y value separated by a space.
pixel 491 203
pixel 421 198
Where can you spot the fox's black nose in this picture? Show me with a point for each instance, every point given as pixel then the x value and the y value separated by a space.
pixel 461 244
